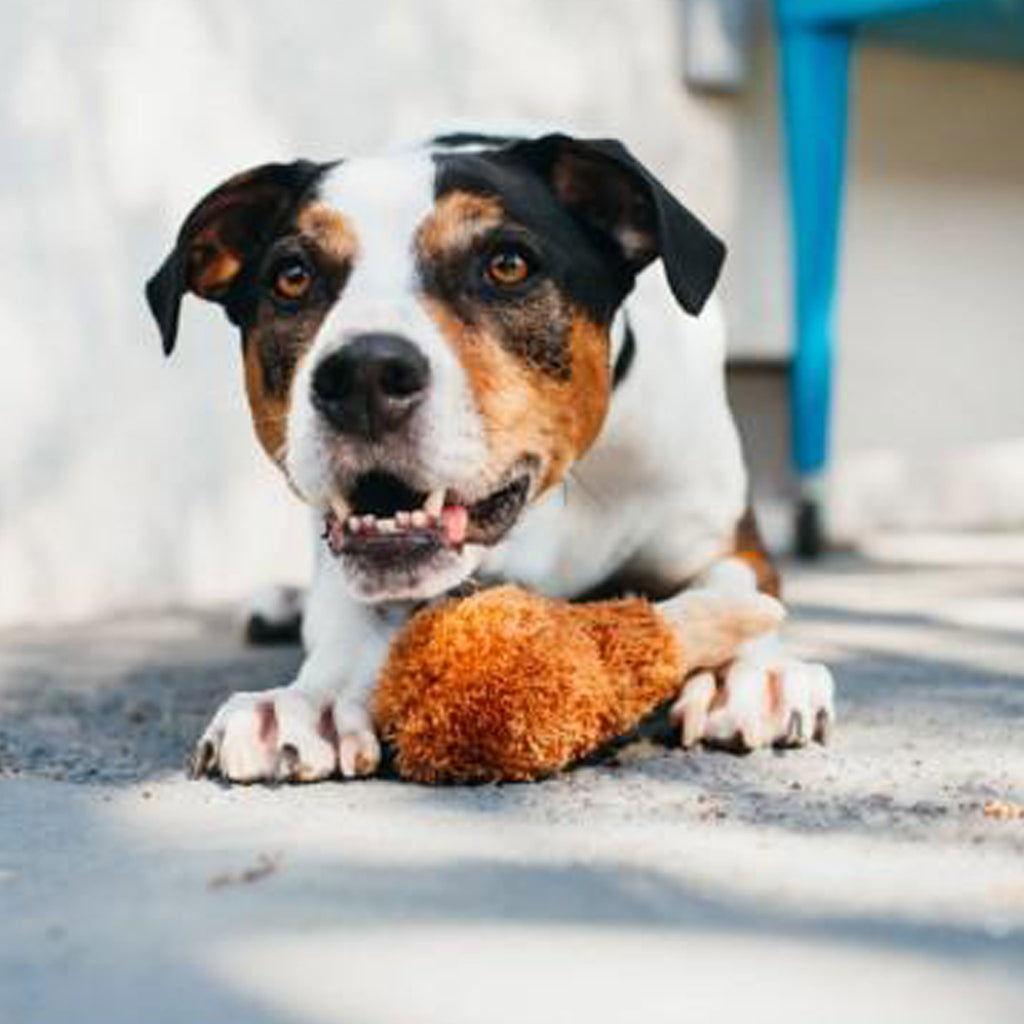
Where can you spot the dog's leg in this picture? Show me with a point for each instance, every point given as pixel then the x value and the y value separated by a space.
pixel 319 725
pixel 761 698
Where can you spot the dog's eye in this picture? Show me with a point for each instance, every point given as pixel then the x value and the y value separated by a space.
pixel 507 268
pixel 292 279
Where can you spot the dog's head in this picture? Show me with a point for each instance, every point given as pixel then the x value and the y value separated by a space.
pixel 426 335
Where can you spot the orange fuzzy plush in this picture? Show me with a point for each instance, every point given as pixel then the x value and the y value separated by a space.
pixel 509 686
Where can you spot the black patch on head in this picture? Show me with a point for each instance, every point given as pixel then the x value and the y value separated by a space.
pixel 624 215
pixel 456 140
pixel 241 218
pixel 580 262
pixel 606 188
pixel 574 268
pixel 595 216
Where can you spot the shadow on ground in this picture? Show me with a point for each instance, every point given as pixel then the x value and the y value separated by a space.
pixel 134 895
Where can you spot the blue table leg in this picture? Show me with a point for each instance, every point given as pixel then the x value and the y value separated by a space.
pixel 815 65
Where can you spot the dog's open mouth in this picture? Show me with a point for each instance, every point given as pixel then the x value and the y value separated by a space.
pixel 386 521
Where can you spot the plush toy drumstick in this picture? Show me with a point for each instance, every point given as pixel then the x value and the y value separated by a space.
pixel 510 686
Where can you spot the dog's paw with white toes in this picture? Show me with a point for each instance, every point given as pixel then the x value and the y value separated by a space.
pixel 283 735
pixel 754 703
pixel 358 747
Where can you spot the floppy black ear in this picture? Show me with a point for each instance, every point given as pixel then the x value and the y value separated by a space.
pixel 223 233
pixel 608 189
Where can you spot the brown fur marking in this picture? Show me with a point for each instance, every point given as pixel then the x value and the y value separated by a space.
pixel 532 324
pixel 329 230
pixel 527 411
pixel 269 411
pixel 533 399
pixel 458 219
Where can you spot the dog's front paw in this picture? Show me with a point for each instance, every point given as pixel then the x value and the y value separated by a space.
pixel 283 735
pixel 756 703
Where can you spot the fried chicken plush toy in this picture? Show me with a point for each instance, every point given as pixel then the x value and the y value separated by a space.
pixel 509 686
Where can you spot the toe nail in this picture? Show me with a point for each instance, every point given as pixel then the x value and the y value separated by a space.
pixel 822 727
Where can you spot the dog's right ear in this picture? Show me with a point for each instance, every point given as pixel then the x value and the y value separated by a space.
pixel 226 231
pixel 606 188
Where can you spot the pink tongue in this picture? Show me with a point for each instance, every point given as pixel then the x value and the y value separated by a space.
pixel 454 522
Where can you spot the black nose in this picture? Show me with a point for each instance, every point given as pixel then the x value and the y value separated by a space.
pixel 370 386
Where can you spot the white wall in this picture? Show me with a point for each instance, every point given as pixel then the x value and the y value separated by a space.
pixel 928 426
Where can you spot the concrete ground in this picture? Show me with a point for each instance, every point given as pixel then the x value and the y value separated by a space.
pixel 862 882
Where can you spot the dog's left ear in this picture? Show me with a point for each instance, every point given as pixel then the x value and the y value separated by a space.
pixel 602 184
pixel 225 231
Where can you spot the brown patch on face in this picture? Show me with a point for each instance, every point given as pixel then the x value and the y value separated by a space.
pixel 458 219
pixel 328 230
pixel 525 409
pixel 532 322
pixel 750 549
pixel 278 340
pixel 537 366
pixel 590 387
pixel 273 349
pixel 269 410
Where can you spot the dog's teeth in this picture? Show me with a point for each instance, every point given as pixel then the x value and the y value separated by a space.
pixel 353 524
pixel 419 519
pixel 435 502
pixel 386 525
pixel 340 509
pixel 403 520
pixel 369 523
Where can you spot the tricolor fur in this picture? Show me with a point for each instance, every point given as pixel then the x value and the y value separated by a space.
pixel 459 359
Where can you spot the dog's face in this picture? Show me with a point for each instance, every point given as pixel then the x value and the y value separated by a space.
pixel 426 336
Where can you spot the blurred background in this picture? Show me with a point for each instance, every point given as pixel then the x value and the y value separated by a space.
pixel 128 481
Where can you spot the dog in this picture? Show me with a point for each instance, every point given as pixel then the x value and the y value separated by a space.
pixel 481 358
